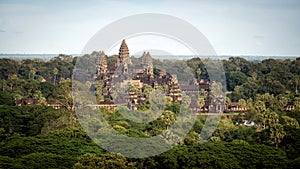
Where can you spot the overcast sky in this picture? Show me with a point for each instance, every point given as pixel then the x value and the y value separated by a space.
pixel 234 27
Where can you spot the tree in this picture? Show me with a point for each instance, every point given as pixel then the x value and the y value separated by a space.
pixel 268 119
pixel 260 106
pixel 8 67
pixel 38 95
pixel 55 72
pixel 63 93
pixel 277 134
pixel 147 89
pixel 168 118
pixel 282 101
pixel 191 138
pixel 289 121
pixel 13 81
pixel 225 129
pixel 242 103
pixel 32 73
pixel 272 119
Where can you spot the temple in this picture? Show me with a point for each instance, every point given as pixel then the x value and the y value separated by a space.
pixel 124 72
pixel 139 74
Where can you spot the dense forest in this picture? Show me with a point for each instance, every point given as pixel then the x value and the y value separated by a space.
pixel 39 136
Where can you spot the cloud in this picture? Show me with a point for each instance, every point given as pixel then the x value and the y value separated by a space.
pixel 1 30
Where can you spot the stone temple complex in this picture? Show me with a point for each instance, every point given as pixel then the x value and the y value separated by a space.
pixel 125 73
pixel 126 81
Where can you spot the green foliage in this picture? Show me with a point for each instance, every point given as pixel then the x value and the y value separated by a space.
pixel 7 99
pixel 8 67
pixel 225 129
pixel 63 94
pixel 32 120
pixel 222 155
pixel 68 143
pixel 8 162
pixel 38 136
pixel 174 107
pixel 57 150
pixel 47 88
pixel 289 121
pixel 49 160
pixel 247 134
pixel 235 78
pixel 108 160
pixel 246 79
pixel 291 143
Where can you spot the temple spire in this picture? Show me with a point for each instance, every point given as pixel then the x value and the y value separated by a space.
pixel 147 63
pixel 101 64
pixel 123 54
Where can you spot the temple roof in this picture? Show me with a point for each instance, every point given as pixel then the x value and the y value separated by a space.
pixel 123 46
pixel 147 57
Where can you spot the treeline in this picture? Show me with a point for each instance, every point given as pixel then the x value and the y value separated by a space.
pixel 244 79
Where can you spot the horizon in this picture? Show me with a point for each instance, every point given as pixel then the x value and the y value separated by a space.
pixel 159 57
pixel 78 54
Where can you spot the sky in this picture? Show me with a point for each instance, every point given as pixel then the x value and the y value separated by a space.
pixel 233 27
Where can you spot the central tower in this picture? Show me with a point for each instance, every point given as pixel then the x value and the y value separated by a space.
pixel 124 57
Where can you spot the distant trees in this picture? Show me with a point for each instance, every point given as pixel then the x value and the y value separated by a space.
pixel 8 67
pixel 269 76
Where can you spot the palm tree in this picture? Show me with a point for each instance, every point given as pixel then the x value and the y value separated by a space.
pixel 282 101
pixel 168 118
pixel 55 72
pixel 296 79
pixel 260 106
pixel 13 81
pixel 272 119
pixel 32 73
pixel 289 121
pixel 277 134
pixel 263 119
